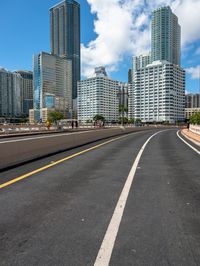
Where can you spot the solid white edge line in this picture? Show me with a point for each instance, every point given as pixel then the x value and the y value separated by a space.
pixel 193 148
pixel 105 251
pixel 192 140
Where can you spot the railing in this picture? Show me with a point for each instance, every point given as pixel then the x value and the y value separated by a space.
pixel 22 128
pixel 195 129
pixel 8 129
pixel 13 128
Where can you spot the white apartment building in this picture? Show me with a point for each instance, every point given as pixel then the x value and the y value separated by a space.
pixel 140 62
pixel 98 95
pixel 158 93
pixel 191 111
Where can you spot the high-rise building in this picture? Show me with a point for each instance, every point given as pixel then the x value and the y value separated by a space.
pixel 123 99
pixel 130 78
pixel 192 100
pixel 10 94
pixel 158 88
pixel 65 36
pixel 192 104
pixel 52 83
pixel 165 36
pixel 98 95
pixel 140 61
pixel 158 93
pixel 26 90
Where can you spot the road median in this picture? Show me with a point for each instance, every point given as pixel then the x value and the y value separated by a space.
pixel 19 151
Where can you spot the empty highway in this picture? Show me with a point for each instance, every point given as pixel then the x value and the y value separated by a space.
pixel 126 200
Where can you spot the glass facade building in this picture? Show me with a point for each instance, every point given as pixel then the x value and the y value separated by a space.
pixel 49 101
pixel 165 36
pixel 26 90
pixel 52 83
pixel 65 36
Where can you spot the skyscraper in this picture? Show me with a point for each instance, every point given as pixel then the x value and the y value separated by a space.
pixel 26 90
pixel 158 88
pixel 10 94
pixel 65 36
pixel 98 95
pixel 52 83
pixel 165 36
pixel 140 61
pixel 159 93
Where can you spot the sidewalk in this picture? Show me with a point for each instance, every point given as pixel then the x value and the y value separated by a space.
pixel 192 136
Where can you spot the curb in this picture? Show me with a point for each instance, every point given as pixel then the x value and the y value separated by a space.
pixel 196 142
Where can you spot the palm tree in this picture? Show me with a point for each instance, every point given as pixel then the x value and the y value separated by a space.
pixel 122 109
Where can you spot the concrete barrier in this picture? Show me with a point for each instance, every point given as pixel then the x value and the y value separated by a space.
pixel 195 129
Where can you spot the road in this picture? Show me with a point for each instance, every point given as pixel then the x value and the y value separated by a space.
pixel 18 149
pixel 69 212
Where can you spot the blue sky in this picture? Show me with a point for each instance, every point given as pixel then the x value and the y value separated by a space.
pixel 110 35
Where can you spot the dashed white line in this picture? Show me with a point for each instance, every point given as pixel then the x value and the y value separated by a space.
pixel 105 252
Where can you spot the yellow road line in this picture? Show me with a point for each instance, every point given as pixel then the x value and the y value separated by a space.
pixel 57 162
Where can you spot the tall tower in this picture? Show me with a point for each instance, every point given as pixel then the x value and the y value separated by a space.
pixel 65 36
pixel 166 36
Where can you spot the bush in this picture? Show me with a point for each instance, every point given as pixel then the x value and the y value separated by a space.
pixel 195 119
pixel 55 116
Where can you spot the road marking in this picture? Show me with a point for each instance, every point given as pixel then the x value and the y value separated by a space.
pixel 192 140
pixel 105 251
pixel 62 160
pixel 49 136
pixel 197 151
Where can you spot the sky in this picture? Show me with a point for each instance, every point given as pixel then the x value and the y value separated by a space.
pixel 112 31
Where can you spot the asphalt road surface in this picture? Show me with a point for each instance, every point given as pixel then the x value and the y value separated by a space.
pixel 132 201
pixel 18 149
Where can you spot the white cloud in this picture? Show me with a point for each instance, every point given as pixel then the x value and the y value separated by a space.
pixel 189 19
pixel 123 28
pixel 194 72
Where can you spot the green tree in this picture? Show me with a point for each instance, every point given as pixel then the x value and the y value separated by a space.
pixel 131 121
pixel 98 118
pixel 195 119
pixel 55 116
pixel 23 120
pixel 123 120
pixel 123 109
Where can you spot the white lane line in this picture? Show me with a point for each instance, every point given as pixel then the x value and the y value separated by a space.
pixel 49 136
pixel 197 151
pixel 192 140
pixel 105 252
